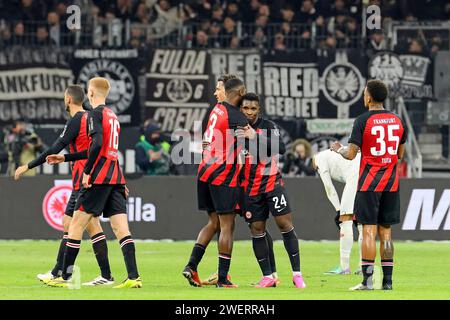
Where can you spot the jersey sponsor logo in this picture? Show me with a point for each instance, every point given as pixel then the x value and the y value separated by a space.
pixel 421 209
pixel 122 85
pixel 55 203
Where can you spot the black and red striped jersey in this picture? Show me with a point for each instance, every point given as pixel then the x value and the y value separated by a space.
pixel 261 174
pixel 378 134
pixel 219 165
pixel 80 143
pixel 75 136
pixel 103 154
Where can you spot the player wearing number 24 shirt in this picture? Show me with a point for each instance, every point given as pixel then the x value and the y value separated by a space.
pixel 381 137
pixel 265 193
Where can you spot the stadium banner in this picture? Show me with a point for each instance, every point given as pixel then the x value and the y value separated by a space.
pixel 330 126
pixel 407 75
pixel 32 85
pixel 121 67
pixel 166 208
pixel 246 64
pixel 177 88
pixel 309 85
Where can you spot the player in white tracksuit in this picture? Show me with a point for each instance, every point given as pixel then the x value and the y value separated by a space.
pixel 331 166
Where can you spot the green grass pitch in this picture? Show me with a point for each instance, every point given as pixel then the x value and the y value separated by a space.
pixel 421 272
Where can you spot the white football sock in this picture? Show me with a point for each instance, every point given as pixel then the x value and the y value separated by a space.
pixel 346 243
pixel 360 239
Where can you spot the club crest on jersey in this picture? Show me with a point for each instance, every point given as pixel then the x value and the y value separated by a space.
pixel 122 90
pixel 55 202
pixel 248 215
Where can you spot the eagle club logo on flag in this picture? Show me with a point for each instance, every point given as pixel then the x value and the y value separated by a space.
pixel 55 202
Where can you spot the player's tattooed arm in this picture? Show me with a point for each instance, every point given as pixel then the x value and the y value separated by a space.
pixel 349 152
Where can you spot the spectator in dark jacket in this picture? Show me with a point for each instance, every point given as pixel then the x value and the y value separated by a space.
pixel 298 161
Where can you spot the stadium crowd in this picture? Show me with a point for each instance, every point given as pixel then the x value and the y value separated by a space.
pixel 280 24
pixel 266 24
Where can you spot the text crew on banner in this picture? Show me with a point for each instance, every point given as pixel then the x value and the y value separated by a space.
pixel 178 88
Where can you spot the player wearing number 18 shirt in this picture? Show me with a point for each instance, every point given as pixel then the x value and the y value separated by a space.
pixel 103 187
pixel 381 137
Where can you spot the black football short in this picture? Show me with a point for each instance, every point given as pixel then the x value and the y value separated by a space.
pixel 219 199
pixel 70 208
pixel 241 208
pixel 108 199
pixel 377 207
pixel 275 202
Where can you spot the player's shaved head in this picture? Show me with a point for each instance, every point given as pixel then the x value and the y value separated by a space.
pixel 76 92
pixel 100 86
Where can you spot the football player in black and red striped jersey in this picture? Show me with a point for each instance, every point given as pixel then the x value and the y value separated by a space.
pixel 75 136
pixel 212 227
pixel 217 184
pixel 381 137
pixel 104 190
pixel 265 192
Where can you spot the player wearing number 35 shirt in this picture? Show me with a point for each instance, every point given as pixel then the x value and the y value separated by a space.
pixel 381 137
